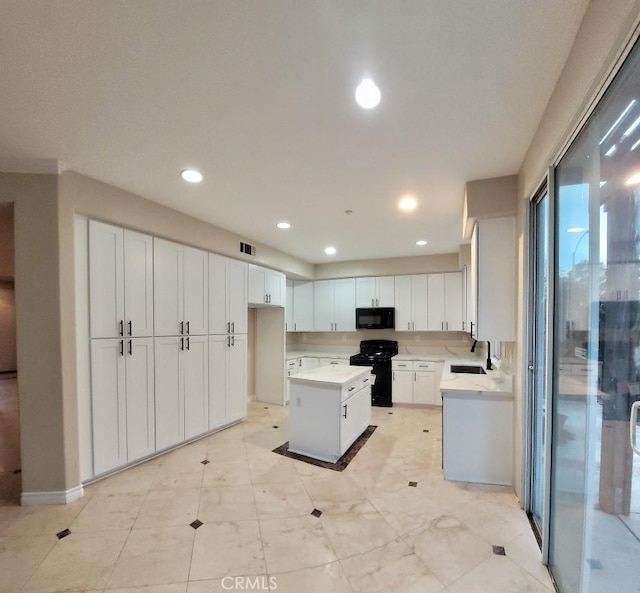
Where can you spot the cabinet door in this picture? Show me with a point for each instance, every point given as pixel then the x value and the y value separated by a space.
pixel 141 426
pixel 402 387
pixel 385 291
pixel 169 408
pixel 454 301
pixel 435 300
pixel 218 306
pixel 303 306
pixel 275 288
pixel 138 284
pixel 218 347
pixel 323 305
pixel 403 303
pixel 472 286
pixel 424 388
pixel 419 302
pixel 365 292
pixel 237 378
pixel 108 411
pixel 237 295
pixel 106 280
pixel 288 307
pixel 345 304
pixel 355 415
pixel 195 370
pixel 257 285
pixel 167 287
pixel 308 362
pixel 196 284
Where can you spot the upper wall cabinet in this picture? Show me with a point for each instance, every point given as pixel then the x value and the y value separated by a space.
pixel 445 298
pixel 302 306
pixel 227 295
pixel 266 287
pixel 375 292
pixel 180 289
pixel 411 302
pixel 334 305
pixel 120 282
pixel 493 279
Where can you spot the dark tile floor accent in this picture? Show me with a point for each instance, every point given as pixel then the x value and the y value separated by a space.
pixel 195 524
pixel 414 484
pixel 426 430
pixel 17 471
pixel 316 512
pixel 339 465
pixel 499 550
pixel 205 461
pixel 275 426
pixel 63 533
pixel 594 564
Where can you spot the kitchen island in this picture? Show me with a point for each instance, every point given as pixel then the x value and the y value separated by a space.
pixel 477 427
pixel 330 407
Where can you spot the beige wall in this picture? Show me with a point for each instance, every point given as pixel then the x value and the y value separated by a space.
pixel 601 39
pixel 394 266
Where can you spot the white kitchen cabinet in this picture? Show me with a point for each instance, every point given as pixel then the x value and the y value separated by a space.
pixel 493 260
pixel 181 377
pixel 290 368
pixel 120 282
pixel 122 392
pixel 227 379
pixel 375 292
pixel 306 363
pixel 180 289
pixel 414 382
pixel 411 294
pixel 334 305
pixel 302 306
pixel 330 408
pixel 333 361
pixel 445 302
pixel 288 307
pixel 227 295
pixel 266 287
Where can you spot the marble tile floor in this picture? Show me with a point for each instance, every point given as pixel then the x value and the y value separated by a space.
pixel 136 531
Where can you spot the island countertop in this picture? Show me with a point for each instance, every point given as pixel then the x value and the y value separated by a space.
pixel 331 375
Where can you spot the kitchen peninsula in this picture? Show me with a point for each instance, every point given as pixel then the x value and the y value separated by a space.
pixel 330 408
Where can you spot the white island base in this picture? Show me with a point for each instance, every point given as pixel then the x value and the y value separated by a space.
pixel 330 407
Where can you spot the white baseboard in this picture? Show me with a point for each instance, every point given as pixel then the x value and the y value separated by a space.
pixel 55 497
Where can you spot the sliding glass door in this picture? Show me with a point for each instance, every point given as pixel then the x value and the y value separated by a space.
pixel 594 529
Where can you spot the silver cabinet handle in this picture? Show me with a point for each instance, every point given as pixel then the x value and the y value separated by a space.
pixel 121 331
pixel 130 327
pixel 228 341
pixel 188 347
pixel 121 347
pixel 345 411
pixel 181 343
pixel 372 302
pixel 181 327
pixel 130 348
pixel 228 327
pixel 187 327
pixel 233 341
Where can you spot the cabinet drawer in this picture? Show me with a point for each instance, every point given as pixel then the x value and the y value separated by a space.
pixel 354 387
pixel 424 365
pixel 402 365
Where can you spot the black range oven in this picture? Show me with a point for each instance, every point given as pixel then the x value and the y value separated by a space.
pixel 378 354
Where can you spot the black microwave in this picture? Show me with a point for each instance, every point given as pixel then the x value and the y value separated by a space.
pixel 376 318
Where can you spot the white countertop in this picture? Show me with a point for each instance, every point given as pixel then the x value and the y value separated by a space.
pixel 331 375
pixel 493 382
pixel 291 354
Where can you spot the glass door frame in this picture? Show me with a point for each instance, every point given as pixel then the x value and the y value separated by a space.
pixel 546 188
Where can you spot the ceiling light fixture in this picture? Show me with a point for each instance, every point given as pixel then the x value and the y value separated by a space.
pixel 617 122
pixel 611 150
pixel 421 242
pixel 191 175
pixel 283 225
pixel 367 94
pixel 408 203
pixel 576 229
pixel 637 142
pixel 330 250
pixel 633 180
pixel 632 127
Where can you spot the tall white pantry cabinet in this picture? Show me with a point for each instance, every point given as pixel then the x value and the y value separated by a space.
pixel 167 344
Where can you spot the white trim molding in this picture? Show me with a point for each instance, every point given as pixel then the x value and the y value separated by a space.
pixel 55 497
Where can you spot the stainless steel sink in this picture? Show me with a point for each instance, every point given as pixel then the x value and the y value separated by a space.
pixel 468 368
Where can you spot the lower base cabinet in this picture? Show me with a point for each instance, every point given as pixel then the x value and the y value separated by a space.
pixel 181 379
pixel 122 401
pixel 227 379
pixel 414 382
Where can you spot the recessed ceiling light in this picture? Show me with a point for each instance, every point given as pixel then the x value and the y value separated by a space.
pixel 191 175
pixel 283 225
pixel 633 180
pixel 576 229
pixel 421 242
pixel 330 250
pixel 408 203
pixel 611 150
pixel 367 94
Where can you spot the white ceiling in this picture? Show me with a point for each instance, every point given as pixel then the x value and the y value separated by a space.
pixel 258 95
